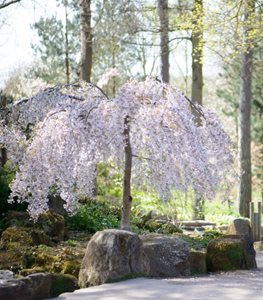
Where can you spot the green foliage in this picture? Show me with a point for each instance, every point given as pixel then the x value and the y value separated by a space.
pixel 72 243
pixel 53 44
pixel 94 216
pixel 221 212
pixel 201 241
pixel 109 181
pixel 6 176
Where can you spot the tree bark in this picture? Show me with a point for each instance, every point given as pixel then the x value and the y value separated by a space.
pixel 126 198
pixel 164 38
pixel 3 156
pixel 197 53
pixel 244 137
pixel 86 40
pixel 197 85
pixel 66 45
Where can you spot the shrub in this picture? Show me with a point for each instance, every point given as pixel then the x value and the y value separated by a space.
pixel 94 216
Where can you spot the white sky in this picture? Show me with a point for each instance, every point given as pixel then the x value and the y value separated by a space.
pixel 16 36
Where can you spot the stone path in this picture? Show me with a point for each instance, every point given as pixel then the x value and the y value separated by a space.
pixel 239 285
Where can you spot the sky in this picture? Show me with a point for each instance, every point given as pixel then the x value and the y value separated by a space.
pixel 16 38
pixel 16 35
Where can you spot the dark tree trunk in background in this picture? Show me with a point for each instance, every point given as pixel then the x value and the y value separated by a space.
pixel 3 156
pixel 164 38
pixel 244 137
pixel 197 84
pixel 126 198
pixel 86 40
pixel 66 44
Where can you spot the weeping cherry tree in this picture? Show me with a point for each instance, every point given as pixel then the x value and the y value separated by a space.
pixel 148 130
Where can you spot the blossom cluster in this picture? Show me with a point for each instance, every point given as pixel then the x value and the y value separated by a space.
pixel 78 127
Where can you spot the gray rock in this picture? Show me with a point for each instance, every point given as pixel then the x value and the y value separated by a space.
pixel 56 203
pixel 240 227
pixel 111 255
pixel 33 287
pixel 6 275
pixel 230 252
pixel 165 256
pixel 198 261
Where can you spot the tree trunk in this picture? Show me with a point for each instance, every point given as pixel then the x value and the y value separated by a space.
pixel 86 40
pixel 164 38
pixel 244 138
pixel 197 84
pixel 127 199
pixel 197 53
pixel 3 156
pixel 66 45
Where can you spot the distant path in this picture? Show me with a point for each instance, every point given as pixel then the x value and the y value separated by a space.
pixel 239 285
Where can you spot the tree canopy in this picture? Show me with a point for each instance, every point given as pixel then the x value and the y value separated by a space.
pixel 169 151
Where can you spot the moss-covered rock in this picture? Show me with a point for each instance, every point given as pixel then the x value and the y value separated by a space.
pixel 71 267
pixel 53 225
pixel 63 259
pixel 230 253
pixel 14 237
pixel 18 219
pixel 62 283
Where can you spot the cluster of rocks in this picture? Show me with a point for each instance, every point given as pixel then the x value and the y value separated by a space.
pixel 115 255
pixel 43 264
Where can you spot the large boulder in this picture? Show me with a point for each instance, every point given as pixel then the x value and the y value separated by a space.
pixel 165 256
pixel 230 252
pixel 111 255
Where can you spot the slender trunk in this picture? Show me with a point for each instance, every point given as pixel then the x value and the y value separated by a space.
pixel 244 138
pixel 3 156
pixel 66 45
pixel 113 63
pixel 86 40
pixel 127 199
pixel 197 84
pixel 164 38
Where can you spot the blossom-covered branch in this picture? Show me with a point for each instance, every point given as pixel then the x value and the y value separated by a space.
pixel 67 146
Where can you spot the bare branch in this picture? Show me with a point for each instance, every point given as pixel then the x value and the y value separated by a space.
pixel 5 4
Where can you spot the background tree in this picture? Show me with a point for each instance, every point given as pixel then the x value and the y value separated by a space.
pixel 86 40
pixel 245 187
pixel 58 45
pixel 164 38
pixel 197 81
